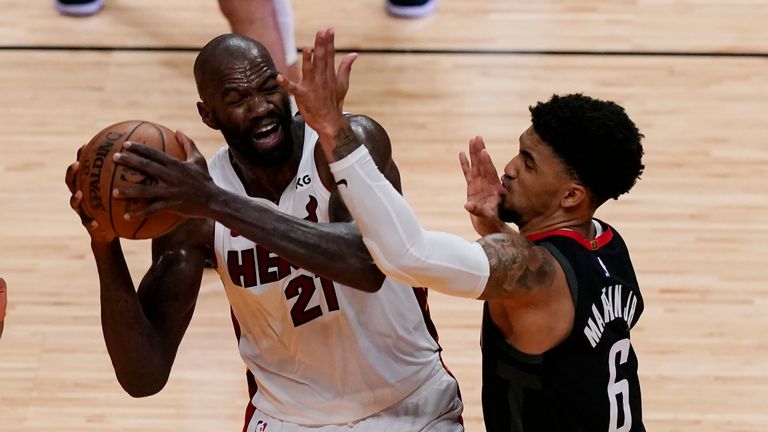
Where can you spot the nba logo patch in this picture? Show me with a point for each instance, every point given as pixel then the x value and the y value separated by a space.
pixel 261 426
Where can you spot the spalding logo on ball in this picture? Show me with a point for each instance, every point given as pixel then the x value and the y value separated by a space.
pixel 99 175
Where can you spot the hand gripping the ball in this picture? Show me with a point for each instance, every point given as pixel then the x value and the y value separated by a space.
pixel 183 187
pixel 97 233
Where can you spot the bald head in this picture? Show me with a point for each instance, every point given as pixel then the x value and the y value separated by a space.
pixel 224 51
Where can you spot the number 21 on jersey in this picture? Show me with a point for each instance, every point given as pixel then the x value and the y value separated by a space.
pixel 304 287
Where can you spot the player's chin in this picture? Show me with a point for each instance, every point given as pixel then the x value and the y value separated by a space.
pixel 508 214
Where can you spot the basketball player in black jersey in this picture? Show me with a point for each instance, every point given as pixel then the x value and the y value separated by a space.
pixel 560 292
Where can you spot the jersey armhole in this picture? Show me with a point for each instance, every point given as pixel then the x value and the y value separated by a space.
pixel 570 274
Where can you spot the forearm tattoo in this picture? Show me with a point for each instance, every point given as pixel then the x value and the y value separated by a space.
pixel 517 266
pixel 346 143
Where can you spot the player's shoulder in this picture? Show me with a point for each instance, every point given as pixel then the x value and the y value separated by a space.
pixel 360 123
pixel 363 124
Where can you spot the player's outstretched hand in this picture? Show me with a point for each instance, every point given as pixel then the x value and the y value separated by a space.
pixel 321 91
pixel 483 188
pixel 75 200
pixel 183 186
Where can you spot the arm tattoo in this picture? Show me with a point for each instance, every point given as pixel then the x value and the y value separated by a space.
pixel 346 143
pixel 517 266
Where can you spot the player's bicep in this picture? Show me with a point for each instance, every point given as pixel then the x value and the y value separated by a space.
pixel 376 140
pixel 169 290
pixel 518 268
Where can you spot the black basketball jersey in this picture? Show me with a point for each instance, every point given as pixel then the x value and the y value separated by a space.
pixel 589 381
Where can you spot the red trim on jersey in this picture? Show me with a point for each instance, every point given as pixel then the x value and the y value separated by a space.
pixel 252 386
pixel 592 245
pixel 250 409
pixel 421 297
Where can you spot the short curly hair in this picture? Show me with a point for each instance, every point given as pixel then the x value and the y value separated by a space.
pixel 595 139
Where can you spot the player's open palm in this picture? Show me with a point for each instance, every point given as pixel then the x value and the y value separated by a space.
pixel 320 92
pixel 483 188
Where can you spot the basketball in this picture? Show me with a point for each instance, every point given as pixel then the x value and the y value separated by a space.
pixel 99 175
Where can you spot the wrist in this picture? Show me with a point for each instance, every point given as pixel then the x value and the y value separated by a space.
pixel 217 205
pixel 331 130
pixel 101 244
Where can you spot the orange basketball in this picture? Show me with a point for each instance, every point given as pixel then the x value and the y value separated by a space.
pixel 99 175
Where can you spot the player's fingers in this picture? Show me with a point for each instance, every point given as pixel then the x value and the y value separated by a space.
pixel 148 210
pixel 345 69
pixel 330 53
pixel 92 226
pixel 75 199
pixel 191 150
pixel 488 170
pixel 473 151
pixel 140 163
pixel 148 152
pixel 287 84
pixel 138 192
pixel 69 176
pixel 479 142
pixel 319 59
pixel 306 62
pixel 464 162
pixel 79 152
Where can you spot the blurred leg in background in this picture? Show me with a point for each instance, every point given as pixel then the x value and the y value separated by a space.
pixel 411 8
pixel 79 7
pixel 269 22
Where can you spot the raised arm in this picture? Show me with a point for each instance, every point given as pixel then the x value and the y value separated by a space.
pixel 143 329
pixel 499 266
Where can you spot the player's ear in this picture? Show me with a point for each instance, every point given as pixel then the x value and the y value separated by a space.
pixel 574 195
pixel 205 114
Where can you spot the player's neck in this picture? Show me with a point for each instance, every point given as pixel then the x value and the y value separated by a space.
pixel 581 224
pixel 268 182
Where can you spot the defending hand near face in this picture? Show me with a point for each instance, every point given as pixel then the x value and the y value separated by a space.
pixel 484 189
pixel 320 92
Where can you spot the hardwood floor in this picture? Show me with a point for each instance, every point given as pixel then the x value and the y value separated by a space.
pixel 696 222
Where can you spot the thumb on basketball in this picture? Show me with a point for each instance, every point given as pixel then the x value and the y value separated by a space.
pixel 190 149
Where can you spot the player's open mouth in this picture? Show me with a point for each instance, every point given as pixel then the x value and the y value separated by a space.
pixel 267 135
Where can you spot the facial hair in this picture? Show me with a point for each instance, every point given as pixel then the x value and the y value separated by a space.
pixel 507 214
pixel 239 140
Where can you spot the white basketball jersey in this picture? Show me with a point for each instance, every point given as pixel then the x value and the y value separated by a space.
pixel 320 352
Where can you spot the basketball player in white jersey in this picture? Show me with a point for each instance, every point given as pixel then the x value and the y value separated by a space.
pixel 328 340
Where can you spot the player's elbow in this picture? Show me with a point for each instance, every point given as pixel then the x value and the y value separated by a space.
pixel 144 386
pixel 405 269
